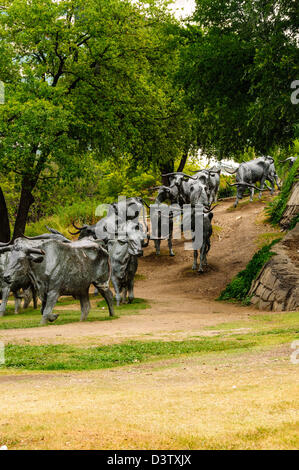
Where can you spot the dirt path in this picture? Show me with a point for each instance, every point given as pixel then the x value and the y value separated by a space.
pixel 182 301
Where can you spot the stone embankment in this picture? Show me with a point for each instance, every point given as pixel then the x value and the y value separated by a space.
pixel 277 286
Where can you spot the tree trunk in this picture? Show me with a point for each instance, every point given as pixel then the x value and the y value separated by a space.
pixel 166 168
pixel 26 200
pixel 4 221
pixel 183 161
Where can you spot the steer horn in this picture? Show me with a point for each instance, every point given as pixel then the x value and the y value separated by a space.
pixel 5 244
pixel 248 185
pixel 206 211
pixel 159 187
pixel 34 251
pixel 180 173
pixel 79 228
pixel 4 249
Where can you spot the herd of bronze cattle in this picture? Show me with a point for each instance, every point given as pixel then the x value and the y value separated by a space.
pixel 50 265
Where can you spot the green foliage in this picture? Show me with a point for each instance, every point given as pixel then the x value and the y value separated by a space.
pixel 238 60
pixel 92 77
pixel 224 189
pixel 277 207
pixel 64 357
pixel 239 287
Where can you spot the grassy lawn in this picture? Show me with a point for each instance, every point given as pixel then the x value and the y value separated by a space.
pixel 234 390
pixel 30 318
pixel 69 357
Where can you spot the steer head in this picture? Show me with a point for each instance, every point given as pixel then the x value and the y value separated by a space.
pixel 177 178
pixel 19 262
pixel 130 239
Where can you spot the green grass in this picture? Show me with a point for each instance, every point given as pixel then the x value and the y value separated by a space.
pixel 266 238
pixel 58 357
pixel 30 318
pixel 247 202
pixel 239 287
pixel 67 357
pixel 259 322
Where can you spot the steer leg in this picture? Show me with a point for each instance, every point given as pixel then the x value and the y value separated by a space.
pixel 272 181
pixel 117 290
pixel 34 295
pixel 237 200
pixel 124 295
pixel 18 300
pixel 85 306
pixel 27 295
pixel 108 296
pixel 5 295
pixel 50 303
pixel 131 290
pixel 157 246
pixel 208 246
pixel 171 253
pixel 261 187
pixel 202 257
pixel 195 256
pixel 277 181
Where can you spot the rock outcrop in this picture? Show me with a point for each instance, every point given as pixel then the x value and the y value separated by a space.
pixel 277 286
pixel 292 208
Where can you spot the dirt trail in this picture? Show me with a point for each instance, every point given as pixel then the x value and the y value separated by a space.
pixel 182 301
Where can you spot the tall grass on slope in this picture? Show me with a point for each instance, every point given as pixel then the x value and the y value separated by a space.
pixel 277 207
pixel 239 287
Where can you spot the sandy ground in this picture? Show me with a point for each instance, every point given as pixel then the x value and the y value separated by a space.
pixel 244 400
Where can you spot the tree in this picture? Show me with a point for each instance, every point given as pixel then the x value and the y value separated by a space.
pixel 4 226
pixel 237 65
pixel 84 76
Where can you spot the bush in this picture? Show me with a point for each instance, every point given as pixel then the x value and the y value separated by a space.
pixel 277 207
pixel 239 287
pixel 224 189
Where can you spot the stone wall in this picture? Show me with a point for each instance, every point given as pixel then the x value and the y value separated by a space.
pixel 277 286
pixel 292 208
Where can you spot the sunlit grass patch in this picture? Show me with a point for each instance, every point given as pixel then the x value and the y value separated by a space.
pixel 30 318
pixel 217 230
pixel 258 322
pixel 66 357
pixel 267 238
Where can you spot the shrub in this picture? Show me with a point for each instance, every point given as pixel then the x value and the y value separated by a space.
pixel 277 207
pixel 239 287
